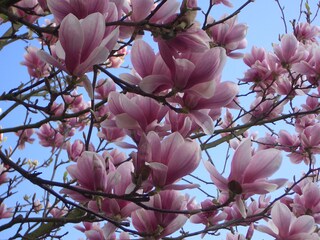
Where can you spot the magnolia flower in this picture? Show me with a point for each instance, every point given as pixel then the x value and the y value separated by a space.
pixel 289 51
pixel 81 44
pixel 36 67
pixel 80 8
pixel 230 35
pixel 284 225
pixel 169 159
pixel 5 212
pixel 249 173
pixel 24 136
pixel 138 113
pixel 160 224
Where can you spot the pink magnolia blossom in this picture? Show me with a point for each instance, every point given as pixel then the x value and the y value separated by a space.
pixel 192 39
pixel 75 150
pixel 141 9
pixel 289 51
pixel 36 67
pixel 77 48
pixel 5 212
pixel 196 106
pixel 110 131
pixel 103 88
pixel 80 8
pixel 306 32
pixel 158 224
pixel 138 113
pixel 308 202
pixel 49 137
pixel 229 35
pixel 310 139
pixel 93 231
pixel 249 172
pixel 3 174
pixel 24 10
pixel 208 218
pixel 75 102
pixel 257 54
pixel 188 71
pixel 310 66
pixel 284 225
pixel 118 58
pixel 181 123
pixel 266 108
pixel 224 2
pixel 170 159
pixel 57 212
pixel 119 183
pixel 89 171
pixel 24 136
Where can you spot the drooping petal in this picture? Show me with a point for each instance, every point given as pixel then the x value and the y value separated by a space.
pixel 216 177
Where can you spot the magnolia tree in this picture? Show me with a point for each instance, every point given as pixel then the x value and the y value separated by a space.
pixel 127 106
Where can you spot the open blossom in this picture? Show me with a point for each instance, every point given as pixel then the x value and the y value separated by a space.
pixel 36 67
pixel 289 51
pixel 80 8
pixel 249 172
pixel 308 202
pixel 306 32
pixel 229 35
pixel 3 174
pixel 138 113
pixel 160 224
pixel 208 218
pixel 49 137
pixel 25 136
pixel 5 212
pixel 284 225
pixel 23 10
pixel 81 44
pixel 90 171
pixel 170 159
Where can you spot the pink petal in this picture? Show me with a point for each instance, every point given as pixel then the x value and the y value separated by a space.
pixel 59 9
pixel 143 58
pixel 92 25
pixel 141 9
pixel 97 56
pixel 281 217
pixel 225 92
pixel 266 230
pixel 216 177
pixel 263 164
pixel 71 39
pixel 203 120
pixel 303 224
pixel 151 83
pixel 240 161
pixel 183 70
pixel 175 225
pixel 49 59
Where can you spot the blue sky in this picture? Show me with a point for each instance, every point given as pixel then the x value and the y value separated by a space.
pixel 263 18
